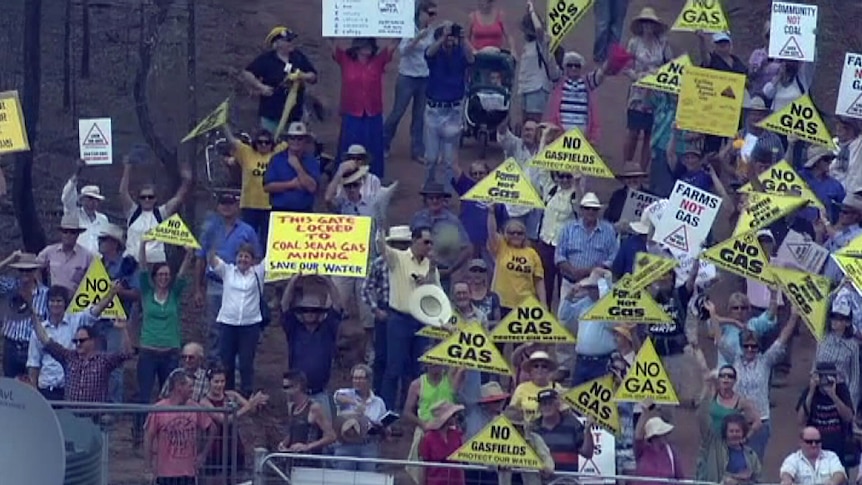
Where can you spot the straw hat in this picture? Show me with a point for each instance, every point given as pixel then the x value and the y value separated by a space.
pixel 441 412
pixel 430 305
pixel 26 261
pixel 656 426
pixel 647 15
pixel 631 169
pixel 540 356
pixel 399 234
pixel 355 150
pixel 354 175
pixel 70 222
pixel 624 331
pixel 816 153
pixel 114 232
pixel 492 392
pixel 591 200
pixel 351 428
pixel 297 128
pixel 277 33
pixel 92 191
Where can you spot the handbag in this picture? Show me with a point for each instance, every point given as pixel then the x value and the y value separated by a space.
pixel 265 314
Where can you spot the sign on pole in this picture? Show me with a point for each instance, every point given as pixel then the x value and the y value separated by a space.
pixel 849 101
pixel 369 18
pixel 95 141
pixel 687 219
pixel 793 31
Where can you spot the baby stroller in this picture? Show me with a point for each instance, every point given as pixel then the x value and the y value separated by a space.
pixel 489 93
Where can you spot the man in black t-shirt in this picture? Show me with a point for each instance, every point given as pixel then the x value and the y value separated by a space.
pixel 826 405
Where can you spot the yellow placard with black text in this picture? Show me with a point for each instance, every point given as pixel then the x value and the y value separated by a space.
pixel 470 348
pixel 852 269
pixel 506 184
pixel 801 119
pixel 763 209
pixel 562 17
pixel 531 322
pixel 625 306
pixel 647 378
pixel 741 255
pixel 809 295
pixel 439 333
pixel 498 444
pixel 595 398
pixel 213 120
pixel 710 101
pixel 93 288
pixel 705 15
pixel 853 248
pixel 648 269
pixel 13 131
pixel 668 78
pixel 783 179
pixel 572 153
pixel 173 231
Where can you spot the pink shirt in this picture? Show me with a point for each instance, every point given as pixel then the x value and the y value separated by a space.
pixel 362 83
pixel 66 270
pixel 434 448
pixel 656 462
pixel 176 440
pixel 491 35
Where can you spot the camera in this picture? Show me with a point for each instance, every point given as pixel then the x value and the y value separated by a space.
pixel 18 304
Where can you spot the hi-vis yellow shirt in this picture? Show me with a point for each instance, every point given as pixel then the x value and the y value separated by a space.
pixel 253 167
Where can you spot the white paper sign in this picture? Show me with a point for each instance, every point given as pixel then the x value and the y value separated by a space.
pixel 793 31
pixel 849 102
pixel 636 202
pixel 369 18
pixel 802 253
pixel 706 272
pixel 95 141
pixel 604 459
pixel 687 219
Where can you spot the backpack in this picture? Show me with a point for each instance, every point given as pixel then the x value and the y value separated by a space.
pixel 138 211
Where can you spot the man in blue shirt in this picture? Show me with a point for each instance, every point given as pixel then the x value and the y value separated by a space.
pixel 448 59
pixel 828 189
pixel 294 174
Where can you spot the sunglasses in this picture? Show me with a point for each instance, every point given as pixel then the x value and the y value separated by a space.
pixel 147 196
pixel 590 208
pixel 478 174
pixel 573 65
pixel 515 233
pixel 727 375
pixel 79 341
pixel 812 442
pixel 264 142
pixel 740 308
pixel 750 346
pixel 541 366
pixel 187 357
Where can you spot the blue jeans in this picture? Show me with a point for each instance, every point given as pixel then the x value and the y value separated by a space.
pixel 403 349
pixel 258 219
pixel 610 15
pixel 153 365
pixel 369 450
pixel 589 368
pixel 760 439
pixel 442 133
pixel 366 131
pixel 378 367
pixel 407 88
pixel 112 341
pixel 239 342
pixel 661 177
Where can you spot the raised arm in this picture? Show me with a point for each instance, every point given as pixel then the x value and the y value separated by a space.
pixel 493 235
pixel 69 195
pixel 97 308
pixel 125 198
pixel 174 202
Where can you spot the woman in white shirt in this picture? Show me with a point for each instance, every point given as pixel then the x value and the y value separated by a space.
pixel 537 70
pixel 560 200
pixel 239 317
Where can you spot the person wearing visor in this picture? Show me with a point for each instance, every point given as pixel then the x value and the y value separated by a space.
pixel 271 75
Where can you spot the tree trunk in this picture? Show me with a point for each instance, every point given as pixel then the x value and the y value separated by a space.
pixel 85 39
pixel 191 73
pixel 67 57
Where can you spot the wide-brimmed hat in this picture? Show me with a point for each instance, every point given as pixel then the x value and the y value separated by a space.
pixel 492 392
pixel 816 153
pixel 591 200
pixel 640 227
pixel 92 191
pixel 355 150
pixel 430 305
pixel 441 412
pixel 26 261
pixel 655 426
pixel 631 169
pixel 852 201
pixel 540 356
pixel 114 232
pixel 297 128
pixel 624 331
pixel 279 32
pixel 647 15
pixel 70 222
pixel 354 175
pixel 477 263
pixel 399 234
pixel 351 428
pixel 434 188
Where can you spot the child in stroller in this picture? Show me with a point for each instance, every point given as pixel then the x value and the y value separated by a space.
pixel 489 94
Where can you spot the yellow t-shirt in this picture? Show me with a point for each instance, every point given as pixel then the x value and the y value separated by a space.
pixel 253 167
pixel 515 273
pixel 526 397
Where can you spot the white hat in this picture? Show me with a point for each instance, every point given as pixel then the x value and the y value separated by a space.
pixel 354 175
pixel 656 426
pixel 430 305
pixel 721 37
pixel 573 56
pixel 841 306
pixel 399 234
pixel 297 128
pixel 640 227
pixel 92 191
pixel 114 232
pixel 540 356
pixel 356 150
pixel 591 200
pixel 70 222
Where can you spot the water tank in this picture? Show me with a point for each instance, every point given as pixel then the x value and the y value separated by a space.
pixel 83 449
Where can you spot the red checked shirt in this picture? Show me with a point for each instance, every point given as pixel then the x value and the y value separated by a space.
pixel 86 377
pixel 362 83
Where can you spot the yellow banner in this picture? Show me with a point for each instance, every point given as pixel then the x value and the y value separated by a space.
pixel 213 120
pixel 705 15
pixel 668 78
pixel 800 119
pixel 506 184
pixel 809 295
pixel 572 153
pixel 647 378
pixel 562 17
pixel 624 306
pixel 782 179
pixel 710 101
pixel 763 209
pixel 595 398
pixel 531 322
pixel 13 132
pixel 648 269
pixel 470 348
pixel 498 444
pixel 741 255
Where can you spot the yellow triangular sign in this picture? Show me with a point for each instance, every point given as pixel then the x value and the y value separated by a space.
pixel 763 209
pixel 668 78
pixel 800 119
pixel 213 120
pixel 809 294
pixel 498 444
pixel 439 333
pixel 852 268
pixel 782 179
pixel 595 398
pixel 173 231
pixel 853 248
pixel 705 15
pixel 626 306
pixel 648 269
pixel 741 255
pixel 507 184
pixel 647 378
pixel 572 153
pixel 531 322
pixel 470 348
pixel 93 288
pixel 562 17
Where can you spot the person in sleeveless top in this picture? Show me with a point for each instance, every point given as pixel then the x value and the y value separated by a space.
pixel 487 29
pixel 308 429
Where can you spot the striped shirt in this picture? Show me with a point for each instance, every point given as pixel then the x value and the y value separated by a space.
pixel 844 353
pixel 375 288
pixel 564 440
pixel 17 327
pixel 836 242
pixel 587 249
pixel 575 102
pixel 752 380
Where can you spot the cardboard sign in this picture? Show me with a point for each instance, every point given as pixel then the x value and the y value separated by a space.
pixel 764 209
pixel 369 18
pixel 531 322
pixel 741 255
pixel 710 101
pixel 506 184
pixel 213 120
pixel 648 269
pixel 603 463
pixel 849 101
pixel 782 179
pixel 173 231
pixel 595 398
pixel 668 78
pixel 93 288
pixel 626 306
pixel 647 378
pixel 851 267
pixel 800 119
pixel 563 15
pixel 793 31
pixel 687 218
pixel 94 141
pixel 636 202
pixel 323 244
pixel 572 153
pixel 13 133
pixel 498 444
pixel 809 295
pixel 470 348
pixel 705 15
pixel 802 253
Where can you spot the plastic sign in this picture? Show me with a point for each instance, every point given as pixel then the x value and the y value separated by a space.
pixel 13 133
pixel 506 184
pixel 741 255
pixel 470 348
pixel 595 398
pixel 687 218
pixel 563 15
pixel 647 378
pixel 95 141
pixel 809 294
pixel 705 15
pixel 710 101
pixel 763 209
pixel 801 119
pixel 498 444
pixel 782 179
pixel 531 322
pixel 174 231
pixel 93 288
pixel 572 153
pixel 626 306
pixel 668 78
pixel 849 101
pixel 793 31
pixel 213 120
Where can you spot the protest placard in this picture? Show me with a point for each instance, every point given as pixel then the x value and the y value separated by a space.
pixel 498 444
pixel 470 347
pixel 563 15
pixel 741 255
pixel 636 202
pixel 793 31
pixel 802 253
pixel 214 120
pixel 603 463
pixel 782 179
pixel 762 209
pixel 506 184
pixel 705 15
pixel 621 305
pixel 95 286
pixel 595 398
pixel 801 119
pixel 710 101
pixel 531 322
pixel 687 218
pixel 369 18
pixel 809 295
pixel 647 378
pixel 849 101
pixel 572 153
pixel 668 78
pixel 95 141
pixel 13 133
pixel 174 231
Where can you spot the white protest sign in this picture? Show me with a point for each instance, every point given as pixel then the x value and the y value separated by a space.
pixel 369 18
pixel 654 211
pixel 604 459
pixel 687 218
pixel 802 253
pixel 793 31
pixel 706 272
pixel 95 141
pixel 849 102
pixel 636 202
